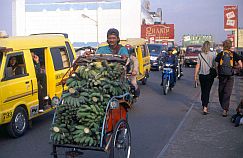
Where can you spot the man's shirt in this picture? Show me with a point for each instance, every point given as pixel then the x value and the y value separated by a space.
pixel 108 50
pixel 171 59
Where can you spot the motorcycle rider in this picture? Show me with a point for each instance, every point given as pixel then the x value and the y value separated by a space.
pixel 132 68
pixel 171 59
pixel 114 47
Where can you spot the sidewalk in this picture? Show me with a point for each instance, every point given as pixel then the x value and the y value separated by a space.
pixel 209 136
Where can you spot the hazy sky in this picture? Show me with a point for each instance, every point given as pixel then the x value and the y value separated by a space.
pixel 197 16
pixel 192 16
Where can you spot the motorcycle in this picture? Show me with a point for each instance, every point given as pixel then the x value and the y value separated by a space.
pixel 167 77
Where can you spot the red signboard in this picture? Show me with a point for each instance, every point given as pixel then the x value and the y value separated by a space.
pixel 165 43
pixel 232 38
pixel 159 31
pixel 151 39
pixel 230 17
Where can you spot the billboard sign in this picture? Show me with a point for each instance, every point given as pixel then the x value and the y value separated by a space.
pixel 159 31
pixel 240 38
pixel 196 39
pixel 231 37
pixel 230 17
pixel 151 39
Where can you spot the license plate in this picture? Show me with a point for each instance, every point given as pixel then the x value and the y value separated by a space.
pixel 167 69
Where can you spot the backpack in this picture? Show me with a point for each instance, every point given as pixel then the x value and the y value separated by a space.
pixel 226 64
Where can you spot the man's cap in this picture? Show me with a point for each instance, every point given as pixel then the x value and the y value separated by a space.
pixel 113 31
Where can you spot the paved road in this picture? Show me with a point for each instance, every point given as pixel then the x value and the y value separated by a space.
pixel 153 120
pixel 209 136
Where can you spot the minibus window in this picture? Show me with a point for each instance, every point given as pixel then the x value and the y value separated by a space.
pixel 15 66
pixel 70 52
pixel 60 58
pixel 144 51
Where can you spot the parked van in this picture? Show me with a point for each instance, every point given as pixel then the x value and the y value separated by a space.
pixel 143 56
pixel 158 53
pixel 191 55
pixel 25 86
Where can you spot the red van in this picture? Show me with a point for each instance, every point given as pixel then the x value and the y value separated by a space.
pixel 191 55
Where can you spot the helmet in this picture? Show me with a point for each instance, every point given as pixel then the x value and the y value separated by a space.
pixel 113 31
pixel 170 49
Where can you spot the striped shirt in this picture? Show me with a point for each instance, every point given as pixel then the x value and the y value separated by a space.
pixel 210 58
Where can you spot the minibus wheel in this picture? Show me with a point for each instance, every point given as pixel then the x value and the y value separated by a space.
pixel 19 123
pixel 144 80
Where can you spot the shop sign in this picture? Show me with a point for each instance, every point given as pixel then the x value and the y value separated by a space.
pixel 231 37
pixel 160 31
pixel 151 39
pixel 230 17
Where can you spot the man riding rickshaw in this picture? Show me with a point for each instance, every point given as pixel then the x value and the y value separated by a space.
pixel 115 48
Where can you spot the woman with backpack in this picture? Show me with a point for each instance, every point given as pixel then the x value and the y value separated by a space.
pixel 226 61
pixel 204 63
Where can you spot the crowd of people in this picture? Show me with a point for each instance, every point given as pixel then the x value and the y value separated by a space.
pixel 128 52
pixel 210 65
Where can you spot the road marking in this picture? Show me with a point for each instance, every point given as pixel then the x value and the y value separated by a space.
pixel 162 152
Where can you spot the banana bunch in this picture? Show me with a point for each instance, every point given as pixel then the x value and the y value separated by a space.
pixel 91 117
pixel 75 80
pixel 86 136
pixel 90 114
pixel 60 135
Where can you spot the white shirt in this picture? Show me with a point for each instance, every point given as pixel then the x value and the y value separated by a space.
pixel 210 58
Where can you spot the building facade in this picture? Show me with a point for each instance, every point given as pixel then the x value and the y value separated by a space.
pixel 86 21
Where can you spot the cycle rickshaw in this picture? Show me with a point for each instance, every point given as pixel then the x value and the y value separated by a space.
pixel 115 135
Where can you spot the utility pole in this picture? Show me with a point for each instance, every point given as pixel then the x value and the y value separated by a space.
pixel 237 30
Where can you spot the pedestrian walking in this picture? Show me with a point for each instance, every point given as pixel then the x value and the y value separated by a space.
pixel 206 60
pixel 226 60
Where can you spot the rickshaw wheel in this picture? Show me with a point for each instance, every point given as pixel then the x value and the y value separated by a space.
pixel 121 141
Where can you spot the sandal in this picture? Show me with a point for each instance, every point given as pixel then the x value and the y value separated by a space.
pixel 205 110
pixel 225 113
